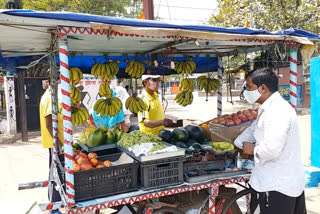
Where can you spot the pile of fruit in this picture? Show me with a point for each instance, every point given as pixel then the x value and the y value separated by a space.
pixel 82 161
pixel 185 67
pixel 191 135
pixel 237 118
pixel 207 84
pixel 135 69
pixel 109 106
pixel 135 104
pixel 99 136
pixel 138 137
pixel 184 98
pixel 106 71
pixel 79 115
pixel 221 146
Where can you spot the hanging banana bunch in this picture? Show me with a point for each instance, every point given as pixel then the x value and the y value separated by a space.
pixel 75 75
pixel 79 116
pixel 186 85
pixel 185 67
pixel 105 90
pixel 184 98
pixel 75 95
pixel 108 107
pixel 106 71
pixel 135 69
pixel 135 104
pixel 207 84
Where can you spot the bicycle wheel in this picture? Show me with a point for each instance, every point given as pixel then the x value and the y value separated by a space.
pixel 167 210
pixel 232 201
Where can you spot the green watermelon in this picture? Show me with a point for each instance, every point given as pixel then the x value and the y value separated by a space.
pixel 96 138
pixel 165 135
pixel 180 134
pixel 195 132
pixel 110 137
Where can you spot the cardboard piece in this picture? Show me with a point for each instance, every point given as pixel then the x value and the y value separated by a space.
pixel 226 133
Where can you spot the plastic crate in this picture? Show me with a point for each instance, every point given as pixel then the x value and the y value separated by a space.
pixel 162 172
pixel 205 165
pixel 106 181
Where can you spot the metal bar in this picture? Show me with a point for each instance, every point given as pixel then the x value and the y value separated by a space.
pixel 293 77
pixel 66 112
pixel 33 185
pixel 219 97
pixel 54 97
pixel 23 107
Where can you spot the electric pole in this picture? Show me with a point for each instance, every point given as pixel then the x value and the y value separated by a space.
pixel 148 9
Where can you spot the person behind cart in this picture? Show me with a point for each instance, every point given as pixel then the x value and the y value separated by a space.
pixel 108 122
pixel 123 95
pixel 45 110
pixel 152 120
pixel 278 174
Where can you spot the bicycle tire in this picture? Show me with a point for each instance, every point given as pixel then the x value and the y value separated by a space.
pixel 232 200
pixel 166 210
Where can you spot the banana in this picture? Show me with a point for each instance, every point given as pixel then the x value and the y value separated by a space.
pixel 142 104
pixel 93 69
pixel 128 102
pixel 106 110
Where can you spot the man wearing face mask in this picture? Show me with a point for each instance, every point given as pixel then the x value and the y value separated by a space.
pixel 273 139
pixel 152 120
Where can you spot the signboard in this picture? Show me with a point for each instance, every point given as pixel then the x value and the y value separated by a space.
pixel 284 90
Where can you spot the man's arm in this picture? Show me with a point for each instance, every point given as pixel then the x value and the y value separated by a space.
pixel 246 136
pixel 276 129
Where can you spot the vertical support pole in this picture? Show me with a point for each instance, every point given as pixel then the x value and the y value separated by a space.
pixel 293 77
pixel 23 107
pixel 66 112
pixel 54 97
pixel 315 116
pixel 219 97
pixel 148 9
pixel 213 193
pixel 10 105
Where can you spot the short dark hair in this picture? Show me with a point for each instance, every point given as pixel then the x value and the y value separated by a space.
pixel 264 76
pixel 143 82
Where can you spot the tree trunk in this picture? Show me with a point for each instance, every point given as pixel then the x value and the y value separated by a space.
pixel 14 4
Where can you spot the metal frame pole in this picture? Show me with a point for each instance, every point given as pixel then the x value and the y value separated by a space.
pixel 293 77
pixel 219 97
pixel 66 112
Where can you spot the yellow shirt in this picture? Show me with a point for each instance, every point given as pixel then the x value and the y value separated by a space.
pixel 154 112
pixel 45 109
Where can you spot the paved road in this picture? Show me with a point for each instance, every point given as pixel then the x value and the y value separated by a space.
pixel 28 162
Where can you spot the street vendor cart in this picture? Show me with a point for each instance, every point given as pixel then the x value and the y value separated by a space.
pixel 79 40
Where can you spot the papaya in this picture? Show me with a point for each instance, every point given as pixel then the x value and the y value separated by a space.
pixel 110 137
pixel 96 138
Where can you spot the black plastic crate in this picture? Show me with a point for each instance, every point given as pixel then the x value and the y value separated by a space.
pixel 218 164
pixel 160 173
pixel 105 181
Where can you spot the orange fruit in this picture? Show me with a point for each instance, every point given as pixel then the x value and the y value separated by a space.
pixel 92 155
pixel 82 160
pixel 100 166
pixel 94 162
pixel 86 166
pixel 107 163
pixel 76 167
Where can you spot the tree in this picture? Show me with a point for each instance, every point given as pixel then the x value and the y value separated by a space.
pixel 123 8
pixel 269 14
pixel 2 4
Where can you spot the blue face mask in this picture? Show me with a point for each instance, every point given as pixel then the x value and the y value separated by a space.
pixel 251 96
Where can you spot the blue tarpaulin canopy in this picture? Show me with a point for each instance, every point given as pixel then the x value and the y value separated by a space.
pixel 93 38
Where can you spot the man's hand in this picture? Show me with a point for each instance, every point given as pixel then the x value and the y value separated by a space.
pixel 167 122
pixel 248 148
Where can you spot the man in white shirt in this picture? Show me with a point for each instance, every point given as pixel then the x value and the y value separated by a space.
pixel 273 139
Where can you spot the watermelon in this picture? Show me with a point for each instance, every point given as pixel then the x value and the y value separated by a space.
pixel 165 135
pixel 96 138
pixel 195 132
pixel 181 144
pixel 110 137
pixel 180 134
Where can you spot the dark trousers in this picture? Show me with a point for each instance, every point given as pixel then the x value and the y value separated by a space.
pixel 55 196
pixel 274 202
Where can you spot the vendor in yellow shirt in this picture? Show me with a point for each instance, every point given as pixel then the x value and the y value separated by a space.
pixel 152 120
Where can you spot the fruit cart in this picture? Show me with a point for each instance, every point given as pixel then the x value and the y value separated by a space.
pixel 83 41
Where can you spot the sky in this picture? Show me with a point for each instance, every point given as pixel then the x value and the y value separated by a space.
pixel 185 11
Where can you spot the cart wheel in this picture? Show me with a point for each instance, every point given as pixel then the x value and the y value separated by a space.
pixel 167 210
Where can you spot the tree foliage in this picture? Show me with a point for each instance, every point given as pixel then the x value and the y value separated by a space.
pixel 119 8
pixel 269 14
